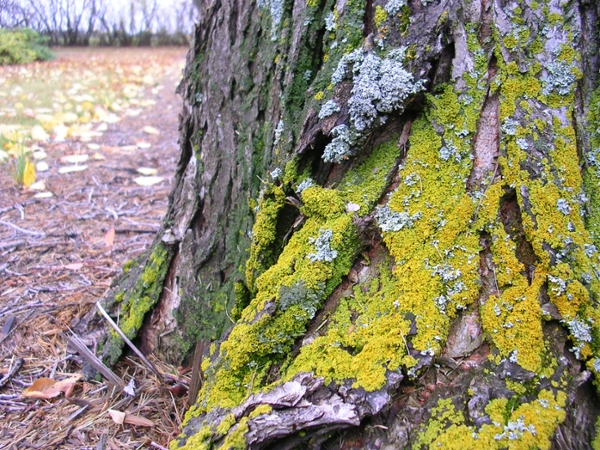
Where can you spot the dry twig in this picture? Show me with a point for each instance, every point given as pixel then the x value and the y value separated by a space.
pixel 12 372
pixel 128 342
pixel 95 361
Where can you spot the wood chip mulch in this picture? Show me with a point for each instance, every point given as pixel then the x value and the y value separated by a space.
pixel 56 262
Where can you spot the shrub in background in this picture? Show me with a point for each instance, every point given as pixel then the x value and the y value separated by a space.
pixel 22 45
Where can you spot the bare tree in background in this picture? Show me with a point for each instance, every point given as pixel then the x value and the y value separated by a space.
pixel 13 14
pixel 101 22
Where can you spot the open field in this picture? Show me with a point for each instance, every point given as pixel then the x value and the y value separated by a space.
pixel 100 127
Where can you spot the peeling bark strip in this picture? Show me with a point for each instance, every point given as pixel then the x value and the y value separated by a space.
pixel 303 406
pixel 486 141
pixel 391 201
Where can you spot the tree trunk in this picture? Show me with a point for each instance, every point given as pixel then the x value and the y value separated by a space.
pixel 398 204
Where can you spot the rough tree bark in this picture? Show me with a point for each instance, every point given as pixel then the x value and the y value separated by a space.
pixel 398 204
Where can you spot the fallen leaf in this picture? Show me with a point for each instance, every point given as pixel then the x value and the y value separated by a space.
pixel 130 388
pixel 150 130
pixel 47 388
pixel 60 133
pixel 91 134
pixel 42 388
pixel 69 169
pixel 99 156
pixel 39 186
pixel 28 174
pixel 44 195
pixel 38 133
pixel 148 79
pixel 147 181
pixel 40 154
pixel 178 390
pixel 69 117
pixel 117 416
pixel 111 118
pixel 74 159
pixel 147 170
pixel 42 166
pixel 138 420
pixel 109 237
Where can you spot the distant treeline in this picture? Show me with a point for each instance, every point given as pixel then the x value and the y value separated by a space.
pixel 103 22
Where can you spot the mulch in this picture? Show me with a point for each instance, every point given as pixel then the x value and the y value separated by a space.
pixel 57 259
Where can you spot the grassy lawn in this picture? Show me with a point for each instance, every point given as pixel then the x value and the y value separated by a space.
pixel 72 95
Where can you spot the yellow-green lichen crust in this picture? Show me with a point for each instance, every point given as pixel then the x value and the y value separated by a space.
pixel 365 347
pixel 530 425
pixel 264 236
pixel 135 303
pixel 550 191
pixel 592 170
pixel 295 285
pixel 596 442
pixel 436 255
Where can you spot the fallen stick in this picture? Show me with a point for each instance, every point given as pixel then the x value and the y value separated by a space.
pixel 16 326
pixel 129 343
pixel 7 311
pixel 158 446
pixel 22 230
pixel 12 372
pixel 95 361
pixel 12 244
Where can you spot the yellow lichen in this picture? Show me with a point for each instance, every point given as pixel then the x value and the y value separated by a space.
pixel 596 442
pixel 264 235
pixel 257 340
pixel 530 425
pixel 363 348
pixel 226 424
pixel 260 410
pixel 365 184
pixel 437 258
pixel 381 16
pixel 199 441
pixel 236 438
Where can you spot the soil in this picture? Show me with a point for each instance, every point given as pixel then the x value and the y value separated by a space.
pixel 58 257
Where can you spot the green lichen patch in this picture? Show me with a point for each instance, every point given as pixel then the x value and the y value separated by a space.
pixel 365 338
pixel 138 300
pixel 288 296
pixel 365 184
pixel 264 251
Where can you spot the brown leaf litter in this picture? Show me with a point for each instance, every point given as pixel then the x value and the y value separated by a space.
pixel 58 256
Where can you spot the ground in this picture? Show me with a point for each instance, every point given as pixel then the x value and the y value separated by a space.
pixel 58 252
